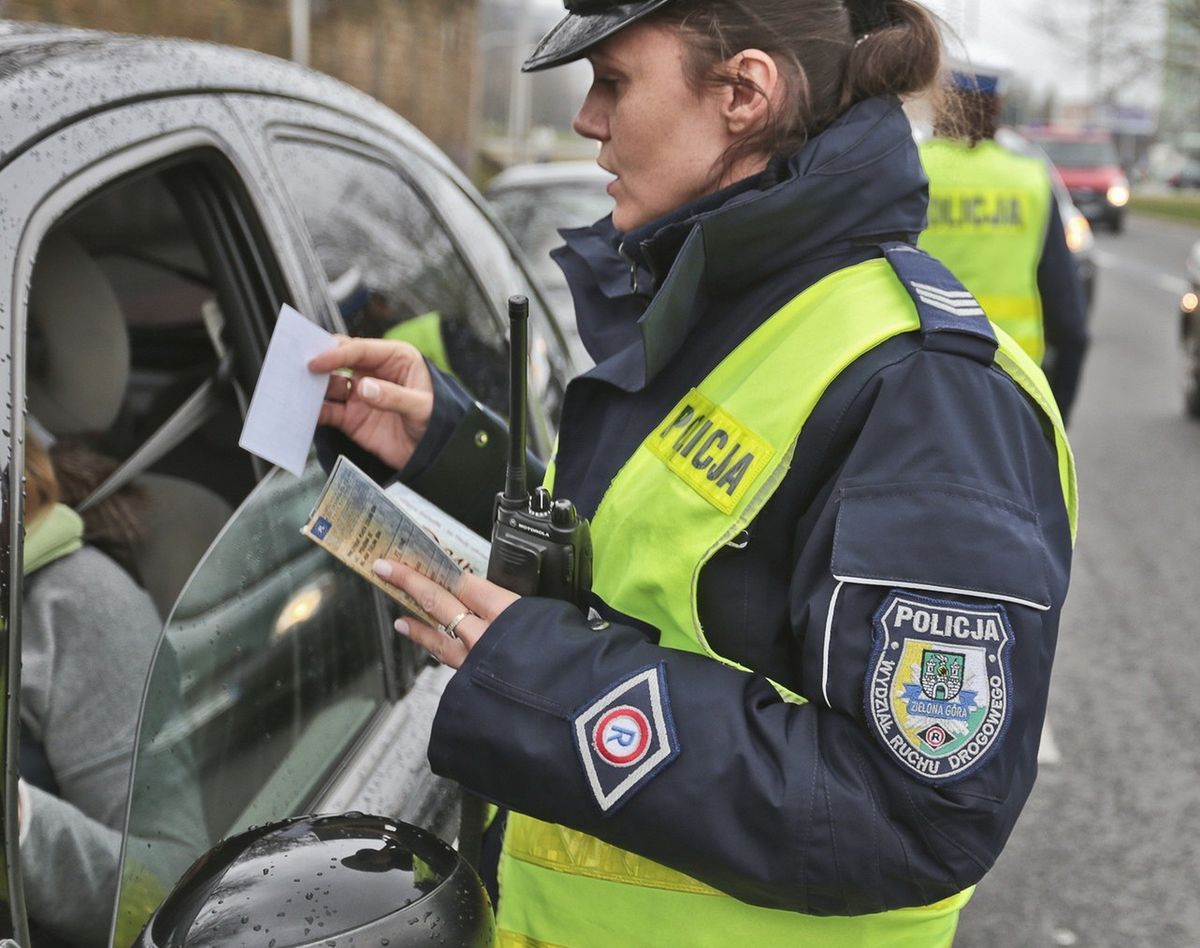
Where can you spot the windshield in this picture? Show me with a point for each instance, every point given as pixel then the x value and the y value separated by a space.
pixel 266 673
pixel 1080 154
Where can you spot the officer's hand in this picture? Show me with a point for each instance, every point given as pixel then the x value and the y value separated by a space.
pixel 386 408
pixel 470 612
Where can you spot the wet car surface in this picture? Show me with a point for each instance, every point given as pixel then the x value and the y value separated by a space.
pixel 161 200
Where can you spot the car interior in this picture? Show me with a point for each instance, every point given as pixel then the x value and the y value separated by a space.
pixel 118 340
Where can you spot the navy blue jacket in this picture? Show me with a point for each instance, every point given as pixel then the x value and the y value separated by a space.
pixel 922 468
pixel 1064 314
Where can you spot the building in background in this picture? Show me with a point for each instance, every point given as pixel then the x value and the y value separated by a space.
pixel 417 56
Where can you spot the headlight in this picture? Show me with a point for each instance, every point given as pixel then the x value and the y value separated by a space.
pixel 1079 233
pixel 1118 195
pixel 1190 303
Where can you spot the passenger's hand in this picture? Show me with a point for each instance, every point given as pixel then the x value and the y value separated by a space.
pixel 386 408
pixel 469 613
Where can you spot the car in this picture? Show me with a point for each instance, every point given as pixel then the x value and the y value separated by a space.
pixel 162 200
pixel 1087 161
pixel 1077 229
pixel 1189 334
pixel 1186 177
pixel 535 201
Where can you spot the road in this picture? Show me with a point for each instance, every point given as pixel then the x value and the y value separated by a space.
pixel 1107 851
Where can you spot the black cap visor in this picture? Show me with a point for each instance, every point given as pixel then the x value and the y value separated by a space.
pixel 576 33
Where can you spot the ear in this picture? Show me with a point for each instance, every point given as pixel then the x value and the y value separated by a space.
pixel 757 85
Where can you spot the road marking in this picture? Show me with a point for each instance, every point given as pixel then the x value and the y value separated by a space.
pixel 1174 285
pixel 1048 749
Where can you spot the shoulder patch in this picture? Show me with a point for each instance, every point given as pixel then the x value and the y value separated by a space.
pixel 626 736
pixel 938 688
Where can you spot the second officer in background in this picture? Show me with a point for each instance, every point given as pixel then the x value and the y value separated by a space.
pixel 994 221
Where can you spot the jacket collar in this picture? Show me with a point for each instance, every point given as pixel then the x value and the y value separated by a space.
pixel 858 183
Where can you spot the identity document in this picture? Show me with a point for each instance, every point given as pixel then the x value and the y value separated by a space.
pixel 359 522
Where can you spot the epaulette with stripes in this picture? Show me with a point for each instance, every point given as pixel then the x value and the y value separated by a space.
pixel 951 317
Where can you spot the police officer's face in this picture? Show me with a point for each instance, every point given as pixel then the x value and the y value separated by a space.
pixel 661 138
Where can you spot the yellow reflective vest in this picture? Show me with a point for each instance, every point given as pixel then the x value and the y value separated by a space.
pixel 561 888
pixel 988 213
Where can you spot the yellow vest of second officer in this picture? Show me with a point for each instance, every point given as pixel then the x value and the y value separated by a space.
pixel 988 213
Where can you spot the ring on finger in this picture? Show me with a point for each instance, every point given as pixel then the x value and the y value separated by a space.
pixel 450 626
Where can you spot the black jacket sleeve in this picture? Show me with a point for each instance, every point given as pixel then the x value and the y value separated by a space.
pixel 1064 315
pixel 803 806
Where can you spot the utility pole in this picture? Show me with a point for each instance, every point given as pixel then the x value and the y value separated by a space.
pixel 519 86
pixel 1095 50
pixel 300 18
pixel 971 18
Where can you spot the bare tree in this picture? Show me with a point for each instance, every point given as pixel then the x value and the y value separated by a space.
pixel 1118 42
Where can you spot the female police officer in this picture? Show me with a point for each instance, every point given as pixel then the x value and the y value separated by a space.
pixel 832 516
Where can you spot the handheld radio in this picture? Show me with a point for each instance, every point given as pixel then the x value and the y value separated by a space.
pixel 540 546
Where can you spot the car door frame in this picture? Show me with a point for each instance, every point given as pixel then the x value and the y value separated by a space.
pixel 38 186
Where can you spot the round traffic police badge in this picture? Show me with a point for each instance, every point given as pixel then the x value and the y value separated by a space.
pixel 622 736
pixel 625 736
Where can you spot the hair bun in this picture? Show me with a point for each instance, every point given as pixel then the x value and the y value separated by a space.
pixel 866 16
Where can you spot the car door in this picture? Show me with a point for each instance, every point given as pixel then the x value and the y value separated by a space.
pixel 278 687
pixel 146 218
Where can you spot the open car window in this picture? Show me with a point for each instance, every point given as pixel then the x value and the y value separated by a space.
pixel 267 671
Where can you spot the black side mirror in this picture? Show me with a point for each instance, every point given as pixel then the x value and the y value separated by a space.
pixel 313 880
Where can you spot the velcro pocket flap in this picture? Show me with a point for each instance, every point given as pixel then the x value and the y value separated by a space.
pixel 941 537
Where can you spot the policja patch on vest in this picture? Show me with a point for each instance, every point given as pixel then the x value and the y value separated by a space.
pixel 938 684
pixel 626 736
pixel 715 454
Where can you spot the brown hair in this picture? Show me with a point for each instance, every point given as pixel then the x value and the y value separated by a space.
pixel 41 484
pixel 831 54
pixel 115 523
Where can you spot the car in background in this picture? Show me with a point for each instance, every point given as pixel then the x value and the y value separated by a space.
pixel 1088 163
pixel 535 201
pixel 1189 334
pixel 1186 177
pixel 162 199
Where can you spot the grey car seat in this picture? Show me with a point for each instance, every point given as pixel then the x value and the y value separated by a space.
pixel 78 387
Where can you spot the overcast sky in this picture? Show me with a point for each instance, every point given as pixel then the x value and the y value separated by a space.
pixel 1011 27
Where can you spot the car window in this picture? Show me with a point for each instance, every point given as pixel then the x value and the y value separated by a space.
pixel 549 367
pixel 130 265
pixel 391 267
pixel 1081 153
pixel 266 674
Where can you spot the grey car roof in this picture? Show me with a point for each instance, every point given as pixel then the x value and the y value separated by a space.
pixel 51 76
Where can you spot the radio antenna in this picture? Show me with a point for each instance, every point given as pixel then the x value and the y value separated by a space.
pixel 516 493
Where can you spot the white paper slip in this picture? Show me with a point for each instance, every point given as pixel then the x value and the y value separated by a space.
pixel 282 417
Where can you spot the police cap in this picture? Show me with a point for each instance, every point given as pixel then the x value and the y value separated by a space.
pixel 587 23
pixel 980 69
